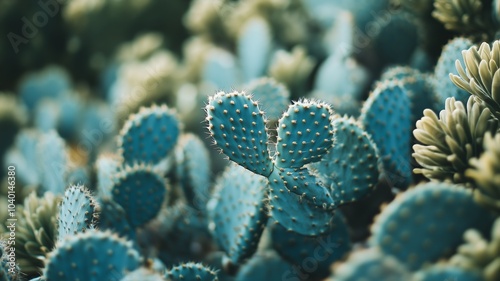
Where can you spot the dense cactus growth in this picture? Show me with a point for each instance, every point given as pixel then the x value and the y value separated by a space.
pixel 243 140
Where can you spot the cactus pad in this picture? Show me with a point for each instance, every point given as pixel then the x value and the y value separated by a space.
pixel 266 265
pixel 386 117
pixel 271 95
pixel 191 271
pixel 305 133
pixel 351 168
pixel 114 218
pixel 426 223
pixel 239 129
pixel 238 213
pixel 92 255
pixel 52 162
pixel 141 192
pixel 328 248
pixel 149 135
pixel 77 212
pixel 296 213
pixel 446 272
pixel 193 169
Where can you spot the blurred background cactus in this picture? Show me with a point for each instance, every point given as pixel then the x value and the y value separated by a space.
pixel 250 140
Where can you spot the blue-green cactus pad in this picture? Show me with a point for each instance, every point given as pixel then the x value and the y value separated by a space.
pixel 447 272
pixel 296 213
pixel 239 129
pixel 237 213
pixel 92 256
pixel 23 155
pixel 419 88
pixel 193 169
pixel 106 167
pixel 443 86
pixel 386 117
pixel 327 248
pixel 183 233
pixel 114 218
pixel 370 264
pixel 52 162
pixel 266 265
pixel 272 96
pixel 254 47
pixel 305 134
pixel 191 271
pixel 301 182
pixel 149 136
pixel 77 212
pixel 221 70
pixel 351 167
pixel 141 192
pixel 426 223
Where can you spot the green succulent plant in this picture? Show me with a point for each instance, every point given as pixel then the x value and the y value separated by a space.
pixel 468 17
pixel 478 253
pixel 481 77
pixel 36 231
pixel 485 171
pixel 449 141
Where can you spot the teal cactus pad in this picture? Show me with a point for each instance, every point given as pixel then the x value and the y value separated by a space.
pixel 106 167
pixel 77 212
pixel 183 233
pixel 23 155
pixel 419 88
pixel 446 272
pixel 149 136
pixel 193 169
pixel 254 47
pixel 266 265
pixel 301 182
pixel 370 264
pixel 191 271
pixel 52 161
pixel 386 117
pixel 427 222
pixel 239 129
pixel 141 192
pixel 220 70
pixel 327 248
pixel 296 213
pixel 443 86
pixel 272 96
pixel 114 219
pixel 305 134
pixel 351 168
pixel 237 213
pixel 93 255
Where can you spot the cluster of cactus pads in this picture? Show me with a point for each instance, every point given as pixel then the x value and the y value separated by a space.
pixel 286 140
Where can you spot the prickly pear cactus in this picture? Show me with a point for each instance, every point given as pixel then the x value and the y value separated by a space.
pixel 296 213
pixel 191 271
pixel 141 192
pixel 52 162
pixel 149 136
pixel 386 117
pixel 92 255
pixel 266 265
pixel 271 95
pixel 305 134
pixel 370 264
pixel 77 212
pixel 351 168
pixel 446 272
pixel 409 226
pixel 238 212
pixel 114 218
pixel 327 248
pixel 193 169
pixel 239 129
